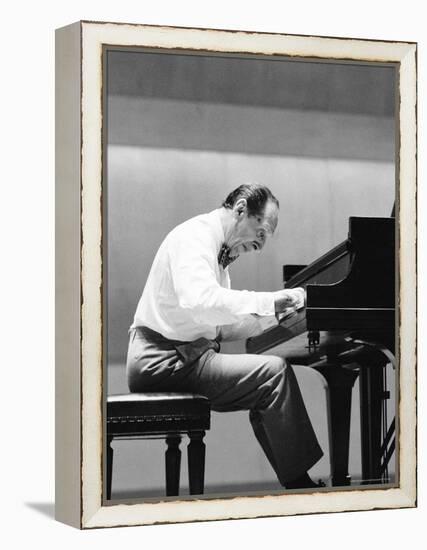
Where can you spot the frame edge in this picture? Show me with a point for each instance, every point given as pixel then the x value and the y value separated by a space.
pixel 67 275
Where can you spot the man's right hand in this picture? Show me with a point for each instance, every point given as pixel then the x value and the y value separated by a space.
pixel 289 298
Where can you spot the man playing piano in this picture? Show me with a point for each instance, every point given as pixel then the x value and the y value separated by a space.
pixel 187 308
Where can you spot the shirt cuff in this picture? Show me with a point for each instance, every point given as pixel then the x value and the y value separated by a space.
pixel 265 303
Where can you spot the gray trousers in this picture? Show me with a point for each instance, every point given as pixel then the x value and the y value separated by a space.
pixel 264 385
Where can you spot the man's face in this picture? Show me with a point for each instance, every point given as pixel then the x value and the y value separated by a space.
pixel 251 232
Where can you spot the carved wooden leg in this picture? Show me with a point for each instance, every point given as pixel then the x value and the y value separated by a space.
pixel 109 466
pixel 340 384
pixel 371 396
pixel 196 462
pixel 173 465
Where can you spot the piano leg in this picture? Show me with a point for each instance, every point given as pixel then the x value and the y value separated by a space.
pixel 340 384
pixel 371 398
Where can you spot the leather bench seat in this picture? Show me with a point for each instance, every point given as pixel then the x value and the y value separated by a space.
pixel 163 415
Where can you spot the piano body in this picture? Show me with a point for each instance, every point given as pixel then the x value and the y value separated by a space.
pixel 347 330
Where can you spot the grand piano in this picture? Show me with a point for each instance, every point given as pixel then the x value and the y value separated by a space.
pixel 345 331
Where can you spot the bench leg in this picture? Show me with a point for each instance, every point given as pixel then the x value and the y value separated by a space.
pixel 173 465
pixel 196 462
pixel 109 466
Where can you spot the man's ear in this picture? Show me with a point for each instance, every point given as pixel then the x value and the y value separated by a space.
pixel 240 207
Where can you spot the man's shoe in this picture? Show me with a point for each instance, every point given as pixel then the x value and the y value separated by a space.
pixel 304 482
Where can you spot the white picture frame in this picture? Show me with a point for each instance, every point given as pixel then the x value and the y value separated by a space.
pixel 80 410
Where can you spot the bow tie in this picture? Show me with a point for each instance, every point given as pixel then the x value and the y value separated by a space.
pixel 224 258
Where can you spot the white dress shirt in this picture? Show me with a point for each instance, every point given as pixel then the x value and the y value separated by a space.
pixel 187 294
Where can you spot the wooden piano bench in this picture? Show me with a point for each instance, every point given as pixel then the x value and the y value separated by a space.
pixel 162 416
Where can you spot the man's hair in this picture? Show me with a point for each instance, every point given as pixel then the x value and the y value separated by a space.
pixel 256 197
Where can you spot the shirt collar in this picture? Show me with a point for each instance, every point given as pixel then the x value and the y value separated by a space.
pixel 217 226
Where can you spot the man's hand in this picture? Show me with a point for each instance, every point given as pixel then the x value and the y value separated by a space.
pixel 289 298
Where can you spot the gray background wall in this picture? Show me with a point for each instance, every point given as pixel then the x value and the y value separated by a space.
pixel 185 130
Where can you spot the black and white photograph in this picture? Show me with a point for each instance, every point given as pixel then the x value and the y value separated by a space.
pixel 236 274
pixel 213 276
pixel 250 213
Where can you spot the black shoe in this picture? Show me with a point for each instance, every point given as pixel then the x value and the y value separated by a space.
pixel 304 482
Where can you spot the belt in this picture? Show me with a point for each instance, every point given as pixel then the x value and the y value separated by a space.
pixel 188 351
